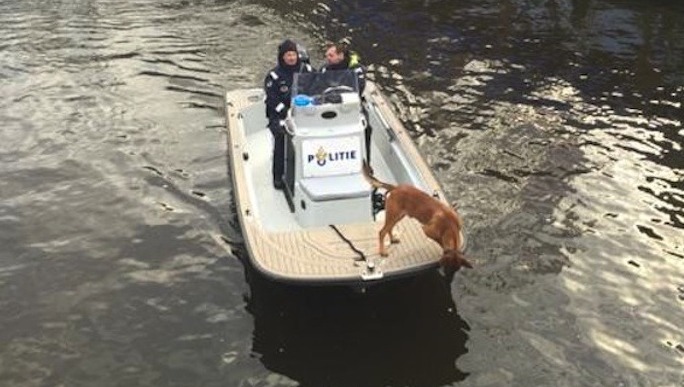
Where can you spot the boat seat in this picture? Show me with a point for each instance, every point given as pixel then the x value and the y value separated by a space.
pixel 336 187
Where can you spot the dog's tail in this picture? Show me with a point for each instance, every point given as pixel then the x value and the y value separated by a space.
pixel 368 174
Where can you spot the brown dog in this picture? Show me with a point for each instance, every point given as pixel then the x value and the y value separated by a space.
pixel 440 222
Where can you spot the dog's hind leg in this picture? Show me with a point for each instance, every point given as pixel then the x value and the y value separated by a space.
pixel 386 229
pixel 391 219
pixel 393 239
pixel 381 240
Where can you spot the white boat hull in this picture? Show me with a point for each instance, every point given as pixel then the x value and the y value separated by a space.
pixel 281 247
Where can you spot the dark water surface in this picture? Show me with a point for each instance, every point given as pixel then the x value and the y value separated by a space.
pixel 554 124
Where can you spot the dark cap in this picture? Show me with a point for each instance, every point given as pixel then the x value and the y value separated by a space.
pixel 285 46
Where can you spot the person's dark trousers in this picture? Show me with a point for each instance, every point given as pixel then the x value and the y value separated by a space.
pixel 278 153
pixel 368 131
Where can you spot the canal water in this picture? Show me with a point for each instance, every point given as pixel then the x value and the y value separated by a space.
pixel 555 125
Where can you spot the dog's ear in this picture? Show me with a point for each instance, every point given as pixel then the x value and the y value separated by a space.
pixel 454 260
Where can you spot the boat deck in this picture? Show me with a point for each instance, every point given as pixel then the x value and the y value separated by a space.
pixel 283 250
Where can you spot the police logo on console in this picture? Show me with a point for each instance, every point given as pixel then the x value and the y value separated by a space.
pixel 321 157
pixel 331 156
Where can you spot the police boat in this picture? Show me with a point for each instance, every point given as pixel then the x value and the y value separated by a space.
pixel 322 228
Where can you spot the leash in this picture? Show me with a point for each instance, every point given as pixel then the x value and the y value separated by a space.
pixel 351 245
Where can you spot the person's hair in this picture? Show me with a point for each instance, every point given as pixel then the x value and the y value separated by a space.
pixel 340 47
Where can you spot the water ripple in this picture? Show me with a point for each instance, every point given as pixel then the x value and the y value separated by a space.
pixel 555 126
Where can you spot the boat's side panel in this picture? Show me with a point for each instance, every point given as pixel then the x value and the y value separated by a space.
pixel 400 152
pixel 237 102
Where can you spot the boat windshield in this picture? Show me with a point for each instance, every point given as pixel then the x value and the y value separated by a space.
pixel 325 86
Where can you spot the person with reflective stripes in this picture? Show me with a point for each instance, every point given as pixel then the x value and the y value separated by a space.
pixel 338 56
pixel 277 85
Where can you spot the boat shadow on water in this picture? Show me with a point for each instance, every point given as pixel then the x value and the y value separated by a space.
pixel 402 332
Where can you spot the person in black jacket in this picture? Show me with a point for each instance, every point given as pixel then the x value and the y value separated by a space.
pixel 338 56
pixel 277 84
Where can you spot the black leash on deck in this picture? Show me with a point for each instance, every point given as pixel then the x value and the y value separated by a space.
pixel 351 245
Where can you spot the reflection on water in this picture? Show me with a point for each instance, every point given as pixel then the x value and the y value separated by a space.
pixel 402 333
pixel 555 126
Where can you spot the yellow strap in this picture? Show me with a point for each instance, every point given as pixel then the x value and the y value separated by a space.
pixel 354 59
